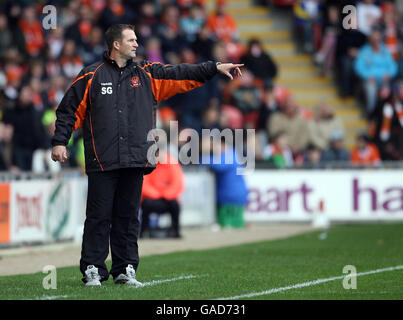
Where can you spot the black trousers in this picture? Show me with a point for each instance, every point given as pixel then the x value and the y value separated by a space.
pixel 112 216
pixel 159 206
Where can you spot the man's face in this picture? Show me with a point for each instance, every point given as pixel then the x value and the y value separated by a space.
pixel 128 45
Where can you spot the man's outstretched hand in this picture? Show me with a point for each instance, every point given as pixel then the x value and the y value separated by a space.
pixel 59 153
pixel 225 68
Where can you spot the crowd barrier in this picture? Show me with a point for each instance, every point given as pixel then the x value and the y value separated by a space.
pixel 47 208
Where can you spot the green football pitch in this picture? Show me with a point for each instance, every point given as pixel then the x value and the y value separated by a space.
pixel 308 266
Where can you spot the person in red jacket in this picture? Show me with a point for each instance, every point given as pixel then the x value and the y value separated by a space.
pixel 161 191
pixel 365 154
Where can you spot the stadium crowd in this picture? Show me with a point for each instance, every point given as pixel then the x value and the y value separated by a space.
pixel 363 52
pixel 38 65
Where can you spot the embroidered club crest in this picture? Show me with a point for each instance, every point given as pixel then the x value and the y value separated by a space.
pixel 135 82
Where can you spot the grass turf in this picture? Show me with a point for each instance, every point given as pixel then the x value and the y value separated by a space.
pixel 243 269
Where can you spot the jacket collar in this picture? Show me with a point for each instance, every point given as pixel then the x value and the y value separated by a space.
pixel 108 59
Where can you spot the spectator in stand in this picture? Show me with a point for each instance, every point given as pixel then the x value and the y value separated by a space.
pixel 55 42
pixel 268 107
pixel 116 12
pixel 70 61
pixel 390 27
pixel 245 93
pixel 222 24
pixel 153 50
pixel 6 134
pixel 203 45
pixel 336 152
pixel 389 127
pixel 27 127
pixel 349 43
pixel 306 15
pixel 323 125
pixel 368 15
pixel 92 50
pixel 376 67
pixel 80 30
pixel 293 124
pixel 365 154
pixel 32 30
pixel 6 36
pixel 168 31
pixel 192 23
pixel 259 62
pixel 325 57
pixel 278 153
pixel 312 157
pixel 161 191
pixel 211 116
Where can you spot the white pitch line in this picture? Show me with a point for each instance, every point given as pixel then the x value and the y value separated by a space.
pixel 155 282
pixel 52 297
pixel 309 283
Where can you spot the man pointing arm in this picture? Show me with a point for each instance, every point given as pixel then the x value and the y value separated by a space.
pixel 114 102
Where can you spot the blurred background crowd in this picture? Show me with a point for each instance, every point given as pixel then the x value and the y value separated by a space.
pixel 38 65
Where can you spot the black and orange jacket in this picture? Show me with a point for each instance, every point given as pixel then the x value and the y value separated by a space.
pixel 116 108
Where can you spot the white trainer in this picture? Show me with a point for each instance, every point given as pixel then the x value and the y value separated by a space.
pixel 128 278
pixel 92 276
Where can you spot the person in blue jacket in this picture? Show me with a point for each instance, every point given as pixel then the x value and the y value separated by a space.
pixel 375 66
pixel 231 190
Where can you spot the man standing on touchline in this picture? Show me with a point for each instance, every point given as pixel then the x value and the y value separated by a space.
pixel 114 101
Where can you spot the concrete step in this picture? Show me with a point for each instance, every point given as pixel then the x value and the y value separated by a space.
pixel 332 101
pixel 249 10
pixel 292 59
pixel 263 35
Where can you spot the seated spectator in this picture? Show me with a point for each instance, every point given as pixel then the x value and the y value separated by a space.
pixel 259 62
pixel 336 151
pixel 376 67
pixel 312 157
pixel 365 154
pixel 349 43
pixel 221 23
pixel 293 124
pixel 245 92
pixel 323 125
pixel 368 15
pixel 161 191
pixel 278 152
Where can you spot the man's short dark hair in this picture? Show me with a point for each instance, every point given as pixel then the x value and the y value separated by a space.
pixel 114 33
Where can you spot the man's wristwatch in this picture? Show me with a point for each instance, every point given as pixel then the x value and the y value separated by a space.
pixel 217 63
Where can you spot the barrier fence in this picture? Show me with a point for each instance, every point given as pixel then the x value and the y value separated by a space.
pixel 46 208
